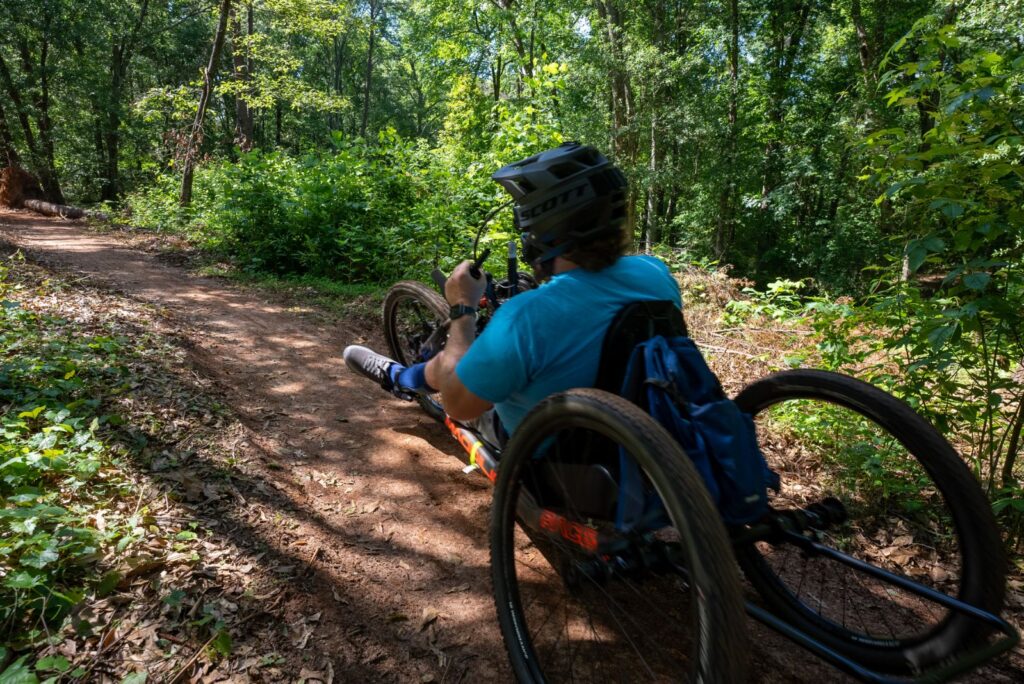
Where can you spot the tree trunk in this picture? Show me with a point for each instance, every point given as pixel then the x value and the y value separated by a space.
pixel 19 108
pixel 624 141
pixel 496 70
pixel 7 149
pixel 111 144
pixel 337 64
pixel 864 49
pixel 53 209
pixel 726 226
pixel 195 137
pixel 1013 448
pixel 652 189
pixel 48 172
pixel 787 32
pixel 277 124
pixel 374 8
pixel 243 115
pixel 525 53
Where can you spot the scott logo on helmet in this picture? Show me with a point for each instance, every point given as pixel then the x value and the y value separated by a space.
pixel 551 203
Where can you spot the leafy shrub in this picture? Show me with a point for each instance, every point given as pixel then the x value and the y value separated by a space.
pixel 371 212
pixel 955 305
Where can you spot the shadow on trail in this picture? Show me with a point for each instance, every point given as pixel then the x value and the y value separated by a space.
pixel 355 500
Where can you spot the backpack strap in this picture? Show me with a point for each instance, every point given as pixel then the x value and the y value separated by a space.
pixel 634 323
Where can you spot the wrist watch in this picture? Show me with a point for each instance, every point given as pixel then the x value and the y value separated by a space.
pixel 459 310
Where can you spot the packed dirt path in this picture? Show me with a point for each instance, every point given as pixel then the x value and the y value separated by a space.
pixel 376 504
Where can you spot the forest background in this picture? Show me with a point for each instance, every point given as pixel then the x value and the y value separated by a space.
pixel 859 161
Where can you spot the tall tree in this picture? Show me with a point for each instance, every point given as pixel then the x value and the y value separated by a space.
pixel 375 9
pixel 123 45
pixel 244 120
pixel 725 227
pixel 195 136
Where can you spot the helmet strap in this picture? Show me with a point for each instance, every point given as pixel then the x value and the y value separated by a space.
pixel 544 265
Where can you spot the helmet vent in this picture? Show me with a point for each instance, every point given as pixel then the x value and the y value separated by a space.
pixel 605 183
pixel 565 169
pixel 525 186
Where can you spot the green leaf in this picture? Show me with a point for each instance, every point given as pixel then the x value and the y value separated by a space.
pixel 952 210
pixel 916 254
pixel 107 583
pixel 222 643
pixel 22 580
pixel 135 678
pixel 977 281
pixel 18 673
pixel 34 413
pixel 56 663
pixel 938 337
pixel 46 555
pixel 174 598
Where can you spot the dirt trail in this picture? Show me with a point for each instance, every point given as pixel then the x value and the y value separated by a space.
pixel 401 531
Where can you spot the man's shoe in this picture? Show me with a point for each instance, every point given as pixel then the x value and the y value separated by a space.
pixel 374 366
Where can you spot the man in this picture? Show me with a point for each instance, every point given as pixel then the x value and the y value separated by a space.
pixel 570 206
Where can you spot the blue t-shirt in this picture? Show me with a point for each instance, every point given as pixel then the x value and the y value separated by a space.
pixel 549 339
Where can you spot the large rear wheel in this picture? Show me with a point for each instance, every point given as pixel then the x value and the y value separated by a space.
pixel 912 508
pixel 599 580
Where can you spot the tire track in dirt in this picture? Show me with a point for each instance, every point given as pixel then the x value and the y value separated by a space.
pixel 397 531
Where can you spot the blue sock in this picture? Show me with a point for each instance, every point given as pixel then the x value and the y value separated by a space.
pixel 414 377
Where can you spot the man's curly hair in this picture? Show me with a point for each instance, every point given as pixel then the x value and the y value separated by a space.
pixel 601 253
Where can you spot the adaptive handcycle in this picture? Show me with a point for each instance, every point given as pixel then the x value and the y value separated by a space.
pixel 879 554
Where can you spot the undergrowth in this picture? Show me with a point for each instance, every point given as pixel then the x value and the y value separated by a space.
pixel 58 471
pixel 78 522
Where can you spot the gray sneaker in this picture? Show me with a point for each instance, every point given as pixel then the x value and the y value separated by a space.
pixel 374 366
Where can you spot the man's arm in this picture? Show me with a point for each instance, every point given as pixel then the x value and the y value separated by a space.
pixel 459 402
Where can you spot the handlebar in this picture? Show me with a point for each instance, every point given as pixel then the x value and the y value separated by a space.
pixel 474 270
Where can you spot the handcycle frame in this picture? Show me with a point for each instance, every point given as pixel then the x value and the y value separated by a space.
pixel 477 455
pixel 798 527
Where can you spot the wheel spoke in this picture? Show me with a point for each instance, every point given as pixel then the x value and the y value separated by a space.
pixel 606 617
pixel 906 494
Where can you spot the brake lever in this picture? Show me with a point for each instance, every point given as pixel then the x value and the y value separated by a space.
pixel 474 270
pixel 440 278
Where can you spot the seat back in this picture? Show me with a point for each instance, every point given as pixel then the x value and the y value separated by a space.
pixel 634 323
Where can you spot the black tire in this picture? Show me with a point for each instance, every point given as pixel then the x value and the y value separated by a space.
pixel 413 313
pixel 654 634
pixel 927 520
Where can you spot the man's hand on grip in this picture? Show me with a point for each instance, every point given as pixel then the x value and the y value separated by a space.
pixel 463 288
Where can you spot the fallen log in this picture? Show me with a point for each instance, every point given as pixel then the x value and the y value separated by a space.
pixel 50 209
pixel 62 210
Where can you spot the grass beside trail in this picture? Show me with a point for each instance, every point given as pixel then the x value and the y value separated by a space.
pixel 81 525
pixel 342 299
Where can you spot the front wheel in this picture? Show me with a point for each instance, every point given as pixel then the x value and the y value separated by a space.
pixel 416 326
pixel 913 508
pixel 608 559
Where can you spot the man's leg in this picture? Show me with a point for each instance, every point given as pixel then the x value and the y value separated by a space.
pixel 400 380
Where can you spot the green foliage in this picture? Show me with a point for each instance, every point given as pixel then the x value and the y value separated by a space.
pixel 369 212
pixel 963 182
pixel 56 471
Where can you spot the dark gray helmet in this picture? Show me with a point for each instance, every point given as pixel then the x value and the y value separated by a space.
pixel 564 197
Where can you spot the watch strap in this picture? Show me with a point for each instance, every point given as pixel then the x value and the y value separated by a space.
pixel 459 310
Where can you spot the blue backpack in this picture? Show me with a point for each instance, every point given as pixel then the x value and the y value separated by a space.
pixel 669 377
